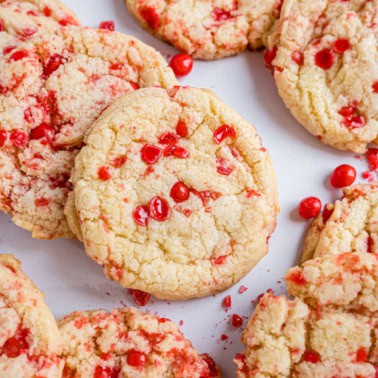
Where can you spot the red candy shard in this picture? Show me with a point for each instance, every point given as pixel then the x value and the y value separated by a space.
pixel 140 297
pixel 107 25
pixel 182 129
pixel 224 167
pixel 242 289
pixel 309 207
pixel 224 132
pixel 227 301
pixel 136 359
pixel 311 356
pixel 151 154
pixel 42 131
pixel 372 157
pixel 18 139
pixel 159 209
pixel 181 64
pixel 52 64
pixel 325 59
pixel 141 215
pixel 297 57
pixel 236 320
pixel 150 16
pixel 16 345
pixel 341 45
pixel 168 138
pixel 180 192
pixel 18 55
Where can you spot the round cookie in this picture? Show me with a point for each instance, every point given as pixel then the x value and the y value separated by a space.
pixel 30 343
pixel 129 343
pixel 207 29
pixel 349 225
pixel 175 194
pixel 286 338
pixel 51 91
pixel 323 55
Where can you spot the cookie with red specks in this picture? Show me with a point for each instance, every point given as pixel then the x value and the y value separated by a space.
pixel 26 19
pixel 174 193
pixel 51 91
pixel 129 343
pixel 322 54
pixel 286 338
pixel 30 343
pixel 207 29
pixel 349 225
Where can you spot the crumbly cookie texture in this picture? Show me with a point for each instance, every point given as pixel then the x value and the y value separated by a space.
pixel 27 19
pixel 30 342
pixel 209 29
pixel 286 338
pixel 347 281
pixel 129 343
pixel 349 225
pixel 51 92
pixel 175 194
pixel 323 56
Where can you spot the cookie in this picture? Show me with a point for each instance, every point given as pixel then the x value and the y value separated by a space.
pixel 286 338
pixel 129 343
pixel 51 91
pixel 174 193
pixel 346 281
pixel 349 225
pixel 30 343
pixel 207 29
pixel 322 54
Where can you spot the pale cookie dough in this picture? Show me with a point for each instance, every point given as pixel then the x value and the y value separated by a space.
pixel 207 29
pixel 349 225
pixel 347 281
pixel 195 244
pixel 286 338
pixel 129 343
pixel 323 54
pixel 51 91
pixel 30 343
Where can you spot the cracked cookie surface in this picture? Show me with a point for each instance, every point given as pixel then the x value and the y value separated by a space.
pixel 129 343
pixel 174 193
pixel 209 29
pixel 51 91
pixel 29 337
pixel 323 56
pixel 349 225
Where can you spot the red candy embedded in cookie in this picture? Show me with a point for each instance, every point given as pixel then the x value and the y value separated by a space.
pixel 213 370
pixel 180 192
pixel 8 49
pixel 28 31
pixel 182 129
pixel 224 132
pixel 181 64
pixel 16 345
pixel 151 154
pixel 220 14
pixel 3 137
pixel 347 111
pixel 325 59
pixel 141 215
pixel 18 55
pixel 119 161
pixel 168 138
pixel 343 175
pixel 140 297
pixel 372 157
pixel 2 27
pixel 310 207
pixel 106 372
pixel 159 209
pixel 375 87
pixel 269 56
pixel 236 321
pixel 104 174
pixel 355 122
pixel 136 359
pixel 312 357
pixel 224 167
pixel 297 57
pixel 341 45
pixel 361 355
pixel 52 64
pixel 107 25
pixel 150 16
pixel 41 202
pixel 177 151
pixel 18 139
pixel 327 213
pixel 297 277
pixel 42 131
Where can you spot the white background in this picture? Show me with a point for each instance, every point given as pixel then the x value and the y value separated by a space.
pixel 72 281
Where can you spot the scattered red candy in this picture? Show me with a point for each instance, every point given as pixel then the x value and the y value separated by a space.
pixel 18 139
pixel 325 59
pixel 242 289
pixel 104 174
pixel 310 207
pixel 42 131
pixel 224 132
pixel 227 301
pixel 311 357
pixel 52 64
pixel 150 16
pixel 168 138
pixel 182 129
pixel 136 359
pixel 180 192
pixel 151 154
pixel 342 176
pixel 140 297
pixel 159 209
pixel 107 25
pixel 141 215
pixel 236 321
pixel 181 64
pixel 224 337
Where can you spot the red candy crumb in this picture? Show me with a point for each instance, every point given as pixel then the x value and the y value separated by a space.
pixel 297 57
pixel 372 157
pixel 224 167
pixel 368 175
pixel 16 345
pixel 40 202
pixel 3 137
pixel 242 289
pixel 181 64
pixel 140 297
pixel 151 154
pixel 224 132
pixel 119 161
pixel 141 215
pixel 168 138
pixel 182 129
pixel 224 337
pixel 52 65
pixel 159 209
pixel 104 174
pixel 343 175
pixel 136 359
pixel 341 45
pixel 227 301
pixel 18 139
pixel 325 59
pixel 150 16
pixel 297 278
pixel 180 192
pixel 236 321
pixel 42 131
pixel 312 357
pixel 107 25
pixel 309 207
